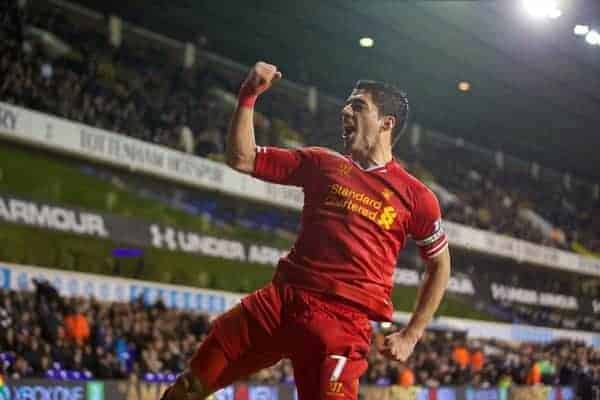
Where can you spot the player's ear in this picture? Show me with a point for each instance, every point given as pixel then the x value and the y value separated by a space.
pixel 389 122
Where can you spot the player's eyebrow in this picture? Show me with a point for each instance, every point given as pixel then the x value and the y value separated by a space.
pixel 355 100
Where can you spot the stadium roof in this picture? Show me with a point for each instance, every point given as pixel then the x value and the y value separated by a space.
pixel 535 86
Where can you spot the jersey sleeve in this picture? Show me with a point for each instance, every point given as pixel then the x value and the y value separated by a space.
pixel 283 166
pixel 426 225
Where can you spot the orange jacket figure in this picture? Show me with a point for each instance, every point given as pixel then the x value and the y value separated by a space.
pixel 461 356
pixel 406 377
pixel 534 376
pixel 77 327
pixel 477 361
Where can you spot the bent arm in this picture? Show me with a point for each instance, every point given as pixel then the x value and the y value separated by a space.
pixel 240 145
pixel 240 153
pixel 430 293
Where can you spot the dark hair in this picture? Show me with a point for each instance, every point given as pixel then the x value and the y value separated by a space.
pixel 389 101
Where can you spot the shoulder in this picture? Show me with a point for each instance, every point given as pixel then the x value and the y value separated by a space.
pixel 320 154
pixel 417 190
pixel 321 151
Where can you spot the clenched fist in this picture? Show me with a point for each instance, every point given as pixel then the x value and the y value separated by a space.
pixel 259 79
pixel 399 345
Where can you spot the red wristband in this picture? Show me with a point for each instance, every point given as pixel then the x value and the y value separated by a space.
pixel 246 99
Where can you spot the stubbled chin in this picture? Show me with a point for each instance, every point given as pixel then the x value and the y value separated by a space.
pixel 351 148
pixel 348 144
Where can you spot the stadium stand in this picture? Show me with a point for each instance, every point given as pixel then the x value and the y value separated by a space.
pixel 140 339
pixel 119 89
pixel 127 194
pixel 516 293
pixel 125 90
pixel 207 213
pixel 66 67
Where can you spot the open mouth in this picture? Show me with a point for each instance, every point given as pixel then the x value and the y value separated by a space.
pixel 349 131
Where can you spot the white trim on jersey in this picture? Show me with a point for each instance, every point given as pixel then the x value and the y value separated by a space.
pixel 431 239
pixel 369 169
pixel 438 249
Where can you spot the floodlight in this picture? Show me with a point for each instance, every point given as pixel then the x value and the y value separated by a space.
pixel 555 13
pixel 542 8
pixel 593 38
pixel 581 30
pixel 366 42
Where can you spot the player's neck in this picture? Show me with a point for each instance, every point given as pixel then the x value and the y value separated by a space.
pixel 377 157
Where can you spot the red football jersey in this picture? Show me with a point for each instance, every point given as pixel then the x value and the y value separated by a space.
pixel 354 223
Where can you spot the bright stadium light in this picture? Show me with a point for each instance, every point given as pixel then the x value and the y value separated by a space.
pixel 464 86
pixel 581 30
pixel 555 13
pixel 593 38
pixel 542 8
pixel 366 42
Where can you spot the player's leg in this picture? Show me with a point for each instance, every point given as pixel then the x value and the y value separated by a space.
pixel 220 373
pixel 336 341
pixel 334 377
pixel 340 375
pixel 236 347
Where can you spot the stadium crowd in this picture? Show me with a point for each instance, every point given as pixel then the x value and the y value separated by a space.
pixel 80 76
pixel 45 335
pixel 125 89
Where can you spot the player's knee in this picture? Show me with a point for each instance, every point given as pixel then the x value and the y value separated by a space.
pixel 174 392
pixel 197 390
pixel 207 366
pixel 186 387
pixel 202 377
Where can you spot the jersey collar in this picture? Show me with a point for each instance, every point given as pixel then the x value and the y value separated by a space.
pixel 377 168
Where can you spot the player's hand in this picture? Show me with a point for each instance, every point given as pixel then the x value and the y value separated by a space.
pixel 399 345
pixel 260 78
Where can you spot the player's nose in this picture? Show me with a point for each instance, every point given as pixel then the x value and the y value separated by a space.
pixel 346 111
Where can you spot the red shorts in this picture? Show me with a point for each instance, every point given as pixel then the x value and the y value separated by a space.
pixel 326 338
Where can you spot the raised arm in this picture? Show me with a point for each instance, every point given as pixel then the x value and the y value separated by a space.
pixel 241 145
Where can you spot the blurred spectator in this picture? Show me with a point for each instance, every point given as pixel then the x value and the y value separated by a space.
pixel 461 356
pixel 477 360
pixel 136 338
pixel 534 376
pixel 406 376
pixel 45 292
pixel 186 139
pixel 76 326
pixel 209 142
